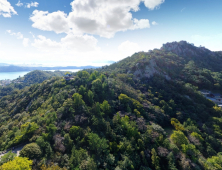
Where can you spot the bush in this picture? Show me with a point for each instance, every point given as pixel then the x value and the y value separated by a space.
pixel 31 151
pixel 17 163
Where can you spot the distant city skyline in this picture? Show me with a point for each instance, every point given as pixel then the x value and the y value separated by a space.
pixel 95 32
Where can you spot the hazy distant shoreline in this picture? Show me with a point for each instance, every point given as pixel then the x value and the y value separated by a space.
pixel 13 68
pixel 15 75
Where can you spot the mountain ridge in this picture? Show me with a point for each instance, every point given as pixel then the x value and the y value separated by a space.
pixel 128 115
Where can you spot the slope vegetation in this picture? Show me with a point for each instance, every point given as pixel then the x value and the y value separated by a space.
pixel 144 112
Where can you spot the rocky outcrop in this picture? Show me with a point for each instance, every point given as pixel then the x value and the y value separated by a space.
pixel 184 48
pixel 147 70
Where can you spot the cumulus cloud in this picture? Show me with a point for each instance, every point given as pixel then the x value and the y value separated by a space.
pixel 25 42
pixel 72 43
pixel 19 4
pixel 43 43
pixel 6 10
pixel 152 4
pixel 56 21
pixel 79 43
pixel 32 4
pixel 154 23
pixel 128 48
pixel 98 17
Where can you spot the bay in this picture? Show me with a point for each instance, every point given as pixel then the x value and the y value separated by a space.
pixel 15 75
pixel 12 75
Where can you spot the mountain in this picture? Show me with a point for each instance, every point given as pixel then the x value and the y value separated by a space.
pixel 33 77
pixel 14 68
pixel 3 64
pixel 143 112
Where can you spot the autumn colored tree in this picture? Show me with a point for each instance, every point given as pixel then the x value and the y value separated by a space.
pixel 19 163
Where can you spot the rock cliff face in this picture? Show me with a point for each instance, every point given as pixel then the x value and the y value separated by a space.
pixel 147 70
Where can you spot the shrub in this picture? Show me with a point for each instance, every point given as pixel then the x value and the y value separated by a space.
pixel 31 151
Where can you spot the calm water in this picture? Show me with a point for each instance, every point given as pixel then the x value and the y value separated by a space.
pixel 15 75
pixel 12 75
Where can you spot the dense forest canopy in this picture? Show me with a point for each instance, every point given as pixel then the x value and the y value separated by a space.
pixel 30 78
pixel 144 112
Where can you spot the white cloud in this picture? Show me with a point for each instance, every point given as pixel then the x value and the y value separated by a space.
pixel 19 4
pixel 45 44
pixel 6 10
pixel 154 23
pixel 19 35
pixel 140 24
pixel 56 21
pixel 152 4
pixel 81 43
pixel 98 17
pixel 32 4
pixel 71 43
pixel 25 42
pixel 128 48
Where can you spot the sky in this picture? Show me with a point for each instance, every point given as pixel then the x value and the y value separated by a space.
pixel 97 32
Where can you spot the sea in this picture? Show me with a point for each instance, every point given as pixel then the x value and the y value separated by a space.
pixel 15 75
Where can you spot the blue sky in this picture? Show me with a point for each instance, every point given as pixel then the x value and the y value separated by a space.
pixel 93 32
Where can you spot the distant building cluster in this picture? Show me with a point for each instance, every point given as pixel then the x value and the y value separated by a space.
pixel 214 97
pixel 68 77
pixel 5 82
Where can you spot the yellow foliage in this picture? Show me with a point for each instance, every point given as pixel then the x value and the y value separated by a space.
pixel 19 163
pixel 177 125
pixel 52 167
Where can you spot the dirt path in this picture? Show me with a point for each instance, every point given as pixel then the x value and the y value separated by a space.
pixel 16 150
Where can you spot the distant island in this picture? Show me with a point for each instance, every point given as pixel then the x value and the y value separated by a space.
pixel 14 68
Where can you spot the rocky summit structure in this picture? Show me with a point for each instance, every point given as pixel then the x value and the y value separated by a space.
pixel 184 48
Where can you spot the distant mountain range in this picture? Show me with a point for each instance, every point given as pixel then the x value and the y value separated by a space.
pixel 14 68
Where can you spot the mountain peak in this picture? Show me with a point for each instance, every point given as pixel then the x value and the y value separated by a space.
pixel 183 48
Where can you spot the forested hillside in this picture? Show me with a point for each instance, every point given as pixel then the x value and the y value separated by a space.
pixel 144 112
pixel 30 78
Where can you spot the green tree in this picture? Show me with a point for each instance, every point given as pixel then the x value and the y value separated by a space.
pixel 75 132
pixel 214 163
pixel 83 75
pixel 68 142
pixel 7 157
pixel 78 102
pixel 171 162
pixel 97 85
pixel 48 150
pixel 97 144
pixel 155 159
pixel 51 129
pixel 105 107
pixel 77 157
pixel 179 138
pixel 124 99
pixel 90 96
pixel 31 151
pixel 82 90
